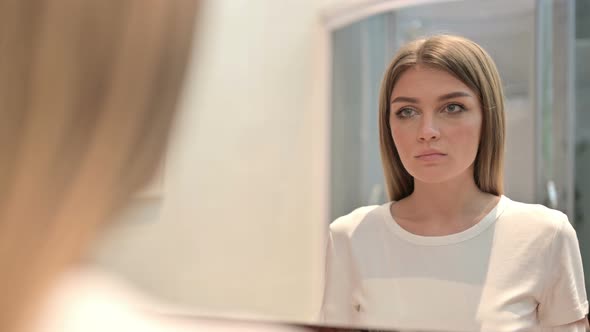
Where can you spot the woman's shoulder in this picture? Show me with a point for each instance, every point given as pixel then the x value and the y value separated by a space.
pixel 365 215
pixel 89 299
pixel 534 218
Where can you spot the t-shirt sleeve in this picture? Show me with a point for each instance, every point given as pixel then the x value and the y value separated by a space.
pixel 336 284
pixel 341 283
pixel 564 297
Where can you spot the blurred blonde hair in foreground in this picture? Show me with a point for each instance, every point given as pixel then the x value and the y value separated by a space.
pixel 88 90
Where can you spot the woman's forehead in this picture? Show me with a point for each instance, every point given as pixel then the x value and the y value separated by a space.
pixel 426 81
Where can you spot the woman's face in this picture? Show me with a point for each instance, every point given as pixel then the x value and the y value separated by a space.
pixel 435 123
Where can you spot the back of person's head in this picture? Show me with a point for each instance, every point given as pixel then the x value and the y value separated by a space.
pixel 88 90
pixel 469 63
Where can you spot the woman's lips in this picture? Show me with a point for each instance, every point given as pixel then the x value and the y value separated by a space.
pixel 431 156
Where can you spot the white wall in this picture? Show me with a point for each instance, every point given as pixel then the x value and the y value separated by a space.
pixel 239 227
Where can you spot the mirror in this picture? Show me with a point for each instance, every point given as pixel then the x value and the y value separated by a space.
pixel 534 44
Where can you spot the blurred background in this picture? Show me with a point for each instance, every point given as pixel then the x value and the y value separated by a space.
pixel 229 227
pixel 278 136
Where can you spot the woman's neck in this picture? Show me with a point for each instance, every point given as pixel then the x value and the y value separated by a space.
pixel 443 208
pixel 449 198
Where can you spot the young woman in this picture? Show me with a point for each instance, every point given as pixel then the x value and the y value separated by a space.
pixel 450 252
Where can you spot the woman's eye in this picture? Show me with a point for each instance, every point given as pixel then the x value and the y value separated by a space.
pixel 454 108
pixel 405 113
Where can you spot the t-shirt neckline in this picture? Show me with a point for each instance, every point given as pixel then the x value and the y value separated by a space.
pixel 467 234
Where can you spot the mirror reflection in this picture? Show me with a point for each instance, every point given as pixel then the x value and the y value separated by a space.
pixel 450 229
pixel 423 253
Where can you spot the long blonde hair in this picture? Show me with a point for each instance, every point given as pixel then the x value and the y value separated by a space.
pixel 88 90
pixel 469 63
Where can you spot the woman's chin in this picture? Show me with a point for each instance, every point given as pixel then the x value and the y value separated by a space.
pixel 435 176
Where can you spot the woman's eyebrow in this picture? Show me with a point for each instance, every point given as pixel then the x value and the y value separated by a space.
pixel 451 95
pixel 454 95
pixel 402 99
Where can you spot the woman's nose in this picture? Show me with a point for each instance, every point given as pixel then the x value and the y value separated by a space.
pixel 428 130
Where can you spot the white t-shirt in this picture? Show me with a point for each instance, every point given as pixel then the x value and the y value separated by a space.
pixel 517 269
